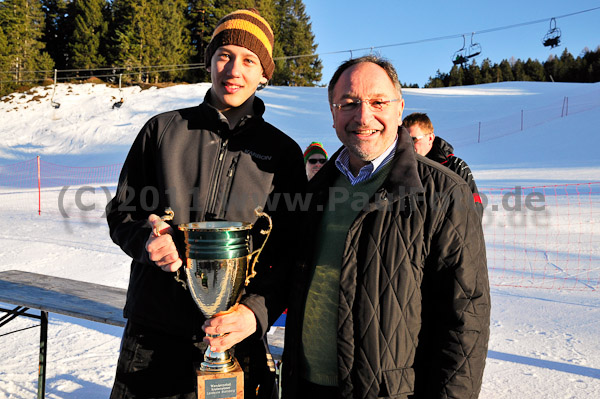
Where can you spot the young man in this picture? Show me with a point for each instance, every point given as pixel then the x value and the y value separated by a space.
pixel 391 296
pixel 437 149
pixel 216 161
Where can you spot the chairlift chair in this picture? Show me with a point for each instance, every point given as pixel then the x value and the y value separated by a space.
pixel 122 100
pixel 53 103
pixel 552 38
pixel 118 104
pixel 460 56
pixel 474 48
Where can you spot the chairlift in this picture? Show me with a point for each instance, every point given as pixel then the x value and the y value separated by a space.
pixel 474 48
pixel 118 104
pixel 122 100
pixel 552 38
pixel 53 103
pixel 460 56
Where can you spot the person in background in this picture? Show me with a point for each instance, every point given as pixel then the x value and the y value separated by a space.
pixel 437 149
pixel 216 161
pixel 390 296
pixel 315 157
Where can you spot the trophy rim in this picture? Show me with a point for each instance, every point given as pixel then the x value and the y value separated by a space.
pixel 215 226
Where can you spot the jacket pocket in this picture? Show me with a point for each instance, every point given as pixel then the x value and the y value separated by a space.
pixel 398 382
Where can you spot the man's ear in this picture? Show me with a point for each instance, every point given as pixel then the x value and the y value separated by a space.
pixel 400 112
pixel 264 80
pixel 332 116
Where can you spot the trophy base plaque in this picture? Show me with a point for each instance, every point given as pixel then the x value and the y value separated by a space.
pixel 227 385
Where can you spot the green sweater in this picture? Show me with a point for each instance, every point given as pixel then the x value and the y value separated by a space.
pixel 319 331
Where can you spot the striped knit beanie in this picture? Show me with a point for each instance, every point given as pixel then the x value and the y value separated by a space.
pixel 244 28
pixel 314 148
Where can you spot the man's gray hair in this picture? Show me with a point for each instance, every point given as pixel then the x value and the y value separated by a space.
pixel 382 62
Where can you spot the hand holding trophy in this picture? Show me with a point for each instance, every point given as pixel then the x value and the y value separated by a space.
pixel 218 263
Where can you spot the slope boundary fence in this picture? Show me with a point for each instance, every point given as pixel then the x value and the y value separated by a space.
pixel 538 237
pixel 479 132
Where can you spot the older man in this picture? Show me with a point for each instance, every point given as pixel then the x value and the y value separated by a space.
pixel 391 297
pixel 390 294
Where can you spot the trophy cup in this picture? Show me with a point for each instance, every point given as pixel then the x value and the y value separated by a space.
pixel 218 264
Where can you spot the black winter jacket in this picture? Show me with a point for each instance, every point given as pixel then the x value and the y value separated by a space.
pixel 191 161
pixel 442 152
pixel 414 302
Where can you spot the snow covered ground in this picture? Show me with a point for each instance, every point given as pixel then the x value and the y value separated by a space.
pixel 544 341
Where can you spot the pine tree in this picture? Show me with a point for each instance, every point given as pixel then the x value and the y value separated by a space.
pixel 519 71
pixel 22 22
pixel 201 22
pixel 148 35
pixel 506 70
pixel 472 74
pixel 456 77
pixel 534 70
pixel 58 28
pixel 487 74
pixel 89 31
pixel 592 65
pixel 294 37
pixel 4 65
pixel 174 46
pixel 566 65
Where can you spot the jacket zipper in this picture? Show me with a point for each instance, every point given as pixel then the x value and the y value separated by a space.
pixel 212 197
pixel 228 184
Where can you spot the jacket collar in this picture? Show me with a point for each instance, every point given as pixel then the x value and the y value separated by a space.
pixel 403 178
pixel 440 150
pixel 217 117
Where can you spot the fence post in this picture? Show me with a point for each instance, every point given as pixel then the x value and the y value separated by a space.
pixel 521 120
pixel 39 186
pixel 567 112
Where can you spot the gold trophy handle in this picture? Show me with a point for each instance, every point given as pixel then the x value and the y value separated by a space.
pixel 169 215
pixel 250 273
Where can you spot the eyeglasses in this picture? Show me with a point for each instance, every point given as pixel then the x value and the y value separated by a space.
pixel 313 161
pixel 417 138
pixel 374 105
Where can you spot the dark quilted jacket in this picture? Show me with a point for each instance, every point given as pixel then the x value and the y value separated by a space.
pixel 414 301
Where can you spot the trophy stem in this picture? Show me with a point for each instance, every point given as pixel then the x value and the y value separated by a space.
pixel 217 362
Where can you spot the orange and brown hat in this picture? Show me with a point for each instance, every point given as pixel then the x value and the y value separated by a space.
pixel 245 28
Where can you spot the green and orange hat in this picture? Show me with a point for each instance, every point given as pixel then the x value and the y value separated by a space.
pixel 314 148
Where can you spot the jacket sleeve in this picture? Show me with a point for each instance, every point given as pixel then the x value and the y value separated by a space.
pixel 456 303
pixel 266 294
pixel 460 167
pixel 127 212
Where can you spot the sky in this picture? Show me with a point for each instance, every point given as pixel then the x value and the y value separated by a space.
pixel 343 25
pixel 544 335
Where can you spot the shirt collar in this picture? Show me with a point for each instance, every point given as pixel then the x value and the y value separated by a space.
pixel 342 162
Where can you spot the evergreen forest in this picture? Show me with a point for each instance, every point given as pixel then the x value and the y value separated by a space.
pixel 585 68
pixel 138 41
pixel 162 42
